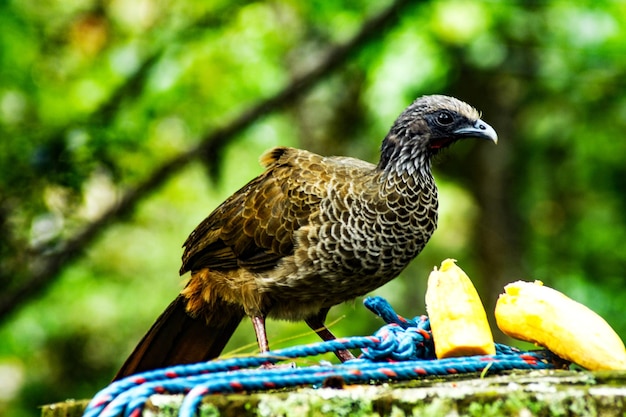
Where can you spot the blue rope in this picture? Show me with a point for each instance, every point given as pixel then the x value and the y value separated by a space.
pixel 401 350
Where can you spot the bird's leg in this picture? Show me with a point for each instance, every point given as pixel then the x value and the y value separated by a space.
pixel 258 322
pixel 316 323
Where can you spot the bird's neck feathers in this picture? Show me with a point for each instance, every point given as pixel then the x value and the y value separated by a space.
pixel 404 157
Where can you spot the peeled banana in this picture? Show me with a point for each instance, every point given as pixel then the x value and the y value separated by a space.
pixel 535 313
pixel 457 317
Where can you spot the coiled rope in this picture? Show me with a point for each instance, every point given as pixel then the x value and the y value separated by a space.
pixel 401 350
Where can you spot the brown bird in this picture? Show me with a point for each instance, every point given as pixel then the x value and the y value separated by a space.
pixel 308 233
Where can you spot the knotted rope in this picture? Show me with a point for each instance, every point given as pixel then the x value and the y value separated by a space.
pixel 403 349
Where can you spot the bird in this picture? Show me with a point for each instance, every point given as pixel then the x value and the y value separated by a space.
pixel 308 233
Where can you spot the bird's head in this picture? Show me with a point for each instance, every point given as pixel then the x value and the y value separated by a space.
pixel 430 124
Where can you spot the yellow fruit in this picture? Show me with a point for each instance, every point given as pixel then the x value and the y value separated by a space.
pixel 538 314
pixel 457 316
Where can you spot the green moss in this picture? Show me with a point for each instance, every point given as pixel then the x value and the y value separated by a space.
pixel 209 410
pixel 542 394
pixel 69 408
pixel 436 407
pixel 310 404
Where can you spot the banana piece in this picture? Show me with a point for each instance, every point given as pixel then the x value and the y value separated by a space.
pixel 457 317
pixel 538 314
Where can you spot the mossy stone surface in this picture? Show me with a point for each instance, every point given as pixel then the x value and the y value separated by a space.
pixel 518 393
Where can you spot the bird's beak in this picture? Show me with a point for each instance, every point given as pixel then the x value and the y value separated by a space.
pixel 480 130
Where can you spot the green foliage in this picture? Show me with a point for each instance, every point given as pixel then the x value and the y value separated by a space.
pixel 95 96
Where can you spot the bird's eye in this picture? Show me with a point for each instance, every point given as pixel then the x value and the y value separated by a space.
pixel 444 118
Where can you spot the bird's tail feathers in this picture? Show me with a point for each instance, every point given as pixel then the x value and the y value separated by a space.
pixel 178 338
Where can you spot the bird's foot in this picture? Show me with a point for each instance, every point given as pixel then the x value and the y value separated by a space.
pixel 344 355
pixel 289 365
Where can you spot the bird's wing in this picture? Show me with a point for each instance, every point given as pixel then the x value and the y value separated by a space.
pixel 254 227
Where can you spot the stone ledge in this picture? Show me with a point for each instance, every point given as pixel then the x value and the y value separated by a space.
pixel 518 393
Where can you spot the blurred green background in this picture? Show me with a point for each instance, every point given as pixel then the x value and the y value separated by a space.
pixel 103 105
